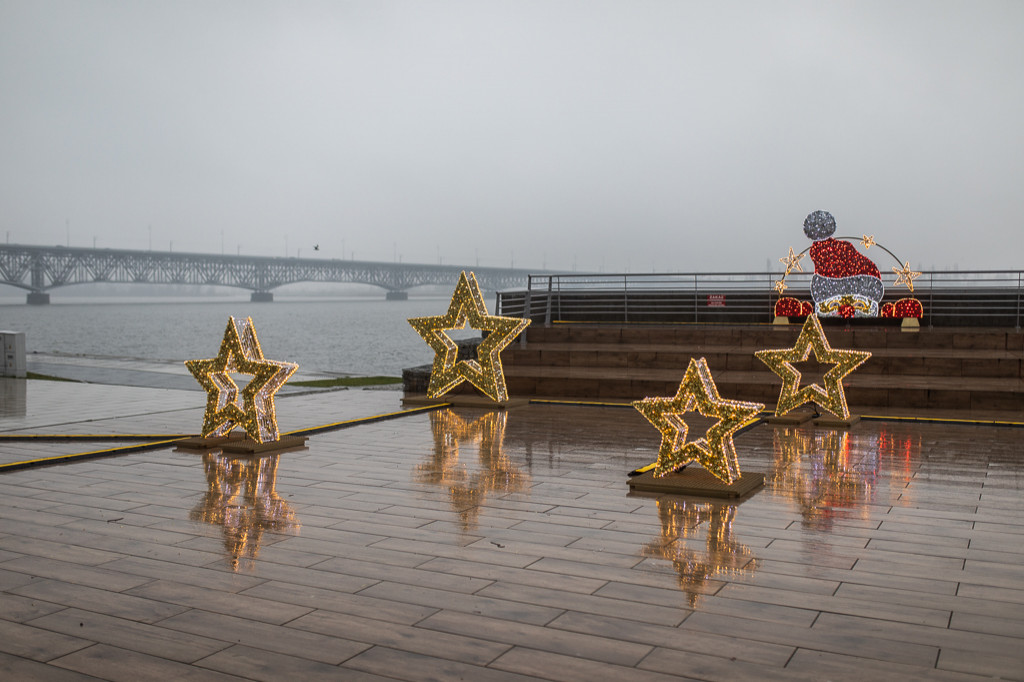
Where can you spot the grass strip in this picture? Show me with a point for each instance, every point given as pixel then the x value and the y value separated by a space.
pixel 47 377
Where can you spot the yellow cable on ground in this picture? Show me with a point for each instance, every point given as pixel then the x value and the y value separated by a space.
pixel 590 403
pixel 57 459
pixel 941 420
pixel 11 437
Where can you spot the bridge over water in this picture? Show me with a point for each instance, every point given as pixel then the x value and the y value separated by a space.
pixel 38 269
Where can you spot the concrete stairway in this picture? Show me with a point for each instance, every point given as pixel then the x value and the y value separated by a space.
pixel 961 369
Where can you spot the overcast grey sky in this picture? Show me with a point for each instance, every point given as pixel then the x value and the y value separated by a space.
pixel 619 135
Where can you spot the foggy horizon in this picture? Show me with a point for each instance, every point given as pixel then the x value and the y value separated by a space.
pixel 591 136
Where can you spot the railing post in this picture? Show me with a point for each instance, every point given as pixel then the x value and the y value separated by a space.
pixel 559 296
pixel 527 308
pixel 1018 326
pixel 547 310
pixel 931 300
pixel 695 319
pixel 625 298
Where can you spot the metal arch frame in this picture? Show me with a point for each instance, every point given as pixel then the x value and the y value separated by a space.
pixel 39 269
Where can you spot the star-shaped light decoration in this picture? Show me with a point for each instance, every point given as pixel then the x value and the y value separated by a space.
pixel 792 261
pixel 467 305
pixel 252 408
pixel 832 397
pixel 905 275
pixel 715 451
pixel 867 241
pixel 780 285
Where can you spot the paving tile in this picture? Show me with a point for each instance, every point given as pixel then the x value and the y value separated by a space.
pixel 490 554
pixel 22 609
pixel 400 574
pixel 704 667
pixel 35 643
pixel 9 578
pixel 553 666
pixel 674 638
pixel 230 630
pixel 630 610
pixel 269 666
pixel 584 646
pixel 589 556
pixel 492 573
pixel 116 604
pixel 474 648
pixel 150 569
pixel 128 634
pixel 328 550
pixel 872 646
pixel 867 578
pixel 18 668
pixel 364 605
pixel 855 606
pixel 911 635
pixel 494 607
pixel 1007 666
pixel 242 605
pixel 57 550
pixel 957 605
pixel 120 665
pixel 100 577
pixel 418 667
pixel 842 668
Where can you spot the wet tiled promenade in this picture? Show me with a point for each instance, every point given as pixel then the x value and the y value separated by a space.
pixel 477 545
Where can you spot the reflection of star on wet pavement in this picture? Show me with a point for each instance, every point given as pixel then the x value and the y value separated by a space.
pixel 467 306
pixel 252 408
pixel 715 451
pixel 832 397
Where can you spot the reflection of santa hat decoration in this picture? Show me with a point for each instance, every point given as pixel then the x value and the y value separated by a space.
pixel 845 282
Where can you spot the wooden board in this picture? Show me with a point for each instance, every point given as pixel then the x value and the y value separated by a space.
pixel 697 482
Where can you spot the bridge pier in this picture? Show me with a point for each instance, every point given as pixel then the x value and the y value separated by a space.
pixel 262 297
pixel 37 298
pixel 396 296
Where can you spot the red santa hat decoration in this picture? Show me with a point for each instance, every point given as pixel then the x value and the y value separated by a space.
pixel 845 282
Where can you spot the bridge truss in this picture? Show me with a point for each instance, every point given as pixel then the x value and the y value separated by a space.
pixel 39 269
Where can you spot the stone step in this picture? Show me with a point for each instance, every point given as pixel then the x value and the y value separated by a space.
pixel 861 389
pixel 772 336
pixel 965 369
pixel 925 362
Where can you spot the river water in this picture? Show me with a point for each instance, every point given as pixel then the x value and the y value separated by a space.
pixel 359 335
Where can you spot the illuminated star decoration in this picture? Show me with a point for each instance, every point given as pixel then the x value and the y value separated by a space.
pixel 831 397
pixel 252 408
pixel 906 276
pixel 467 305
pixel 780 285
pixel 867 241
pixel 715 451
pixel 792 261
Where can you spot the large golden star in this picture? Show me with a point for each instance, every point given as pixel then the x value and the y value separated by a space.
pixel 252 408
pixel 715 451
pixel 467 305
pixel 832 397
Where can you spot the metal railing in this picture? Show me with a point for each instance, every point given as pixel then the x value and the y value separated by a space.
pixel 960 298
